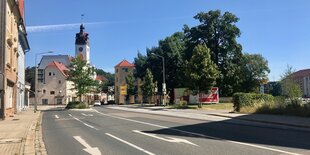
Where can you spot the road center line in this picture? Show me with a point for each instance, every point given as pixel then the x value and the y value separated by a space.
pixel 130 144
pixel 56 116
pixel 83 122
pixel 201 135
pixel 168 139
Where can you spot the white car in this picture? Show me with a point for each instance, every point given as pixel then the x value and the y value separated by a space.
pixel 97 103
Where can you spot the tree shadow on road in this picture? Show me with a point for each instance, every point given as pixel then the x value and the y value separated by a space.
pixel 242 132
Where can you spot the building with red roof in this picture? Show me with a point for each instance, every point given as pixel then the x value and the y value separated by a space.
pixel 55 88
pixel 122 70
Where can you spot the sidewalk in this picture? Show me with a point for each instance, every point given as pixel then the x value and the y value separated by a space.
pixel 222 115
pixel 22 133
pixel 14 131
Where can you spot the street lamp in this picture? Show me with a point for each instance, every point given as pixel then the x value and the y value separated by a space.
pixel 164 82
pixel 36 79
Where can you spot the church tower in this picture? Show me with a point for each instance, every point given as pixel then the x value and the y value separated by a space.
pixel 82 48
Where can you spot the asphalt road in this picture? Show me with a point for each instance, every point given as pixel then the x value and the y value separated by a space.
pixel 106 131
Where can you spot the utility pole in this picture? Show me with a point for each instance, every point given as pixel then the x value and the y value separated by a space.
pixel 164 81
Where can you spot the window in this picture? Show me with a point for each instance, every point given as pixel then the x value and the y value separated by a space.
pixel 125 69
pixel 59 81
pixel 44 91
pixel 52 92
pixel 116 70
pixel 54 74
pixel 50 74
pixel 44 101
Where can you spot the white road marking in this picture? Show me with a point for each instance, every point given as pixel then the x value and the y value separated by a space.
pixel 130 144
pixel 56 116
pixel 171 139
pixel 88 148
pixel 83 122
pixel 201 135
pixel 87 114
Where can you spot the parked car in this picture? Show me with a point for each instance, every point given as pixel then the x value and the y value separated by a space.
pixel 97 103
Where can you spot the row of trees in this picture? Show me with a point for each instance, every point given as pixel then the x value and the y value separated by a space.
pixel 204 56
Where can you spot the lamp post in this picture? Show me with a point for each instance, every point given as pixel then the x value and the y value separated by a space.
pixel 164 81
pixel 36 79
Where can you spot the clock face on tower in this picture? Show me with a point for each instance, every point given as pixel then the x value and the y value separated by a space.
pixel 81 49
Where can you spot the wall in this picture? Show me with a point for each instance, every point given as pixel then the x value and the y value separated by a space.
pixel 52 84
pixel 20 97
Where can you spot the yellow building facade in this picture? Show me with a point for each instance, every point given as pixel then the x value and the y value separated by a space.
pixel 11 20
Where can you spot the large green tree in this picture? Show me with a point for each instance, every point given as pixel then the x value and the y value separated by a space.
pixel 80 74
pixel 255 72
pixel 219 33
pixel 172 49
pixel 148 85
pixel 201 71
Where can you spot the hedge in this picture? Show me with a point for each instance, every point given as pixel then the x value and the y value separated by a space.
pixel 76 105
pixel 248 100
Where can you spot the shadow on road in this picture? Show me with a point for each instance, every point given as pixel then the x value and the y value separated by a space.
pixel 230 130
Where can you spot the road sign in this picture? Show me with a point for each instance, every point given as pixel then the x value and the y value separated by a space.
pixel 124 90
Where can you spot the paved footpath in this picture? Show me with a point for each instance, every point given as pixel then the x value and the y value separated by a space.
pixel 22 133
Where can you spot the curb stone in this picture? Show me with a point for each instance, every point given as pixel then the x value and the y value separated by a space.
pixel 28 144
pixel 40 148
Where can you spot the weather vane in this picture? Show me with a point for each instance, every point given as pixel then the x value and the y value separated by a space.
pixel 82 18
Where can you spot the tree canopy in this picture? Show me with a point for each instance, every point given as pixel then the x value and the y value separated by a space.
pixel 201 70
pixel 217 34
pixel 255 72
pixel 80 74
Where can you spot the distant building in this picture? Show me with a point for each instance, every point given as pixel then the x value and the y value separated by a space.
pixel 122 70
pixel 55 89
pixel 302 78
pixel 47 59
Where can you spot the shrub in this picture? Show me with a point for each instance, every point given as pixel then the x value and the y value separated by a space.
pixel 76 105
pixel 249 102
pixel 181 105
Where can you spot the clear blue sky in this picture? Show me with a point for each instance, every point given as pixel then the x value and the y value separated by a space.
pixel 277 29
